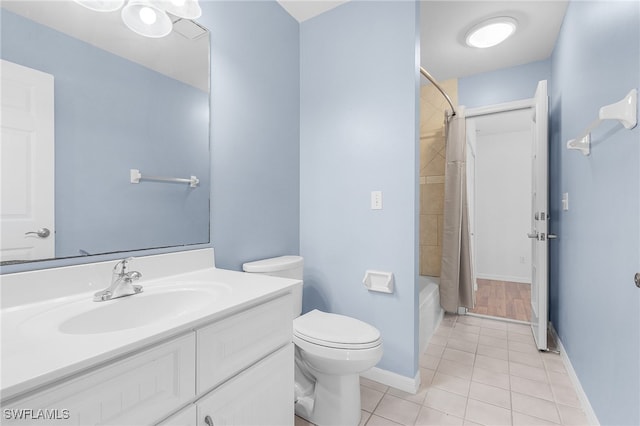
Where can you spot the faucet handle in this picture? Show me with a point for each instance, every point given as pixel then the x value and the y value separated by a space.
pixel 123 265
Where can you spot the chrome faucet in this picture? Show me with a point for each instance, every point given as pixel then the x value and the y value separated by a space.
pixel 121 283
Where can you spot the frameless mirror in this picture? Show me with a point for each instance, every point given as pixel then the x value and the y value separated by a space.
pixel 120 102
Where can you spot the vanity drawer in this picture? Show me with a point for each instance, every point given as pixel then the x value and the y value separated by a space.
pixel 232 344
pixel 135 391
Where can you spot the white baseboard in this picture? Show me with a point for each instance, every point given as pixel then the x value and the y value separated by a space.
pixel 394 380
pixel 513 279
pixel 582 396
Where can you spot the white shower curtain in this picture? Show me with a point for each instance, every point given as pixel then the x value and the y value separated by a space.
pixel 456 282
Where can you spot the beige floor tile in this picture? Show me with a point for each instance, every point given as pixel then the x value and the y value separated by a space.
pixel 438 340
pixel 528 348
pixel 451 384
pixel 462 345
pixel 426 376
pixel 490 378
pixel 373 384
pixel 522 338
pixel 520 419
pixel 459 356
pixel 466 328
pixel 566 395
pixel 471 320
pixel 470 423
pixel 417 398
pixel 518 328
pixel 429 361
pixel 553 362
pixel 531 387
pixel 527 371
pixel 434 350
pixel 536 407
pixel 380 421
pixel 465 336
pixel 493 332
pixel 447 402
pixel 430 417
pixel 490 395
pixel 560 379
pixel 494 342
pixel 456 369
pixel 493 364
pixel 487 414
pixel 531 359
pixel 493 352
pixel 495 324
pixel 398 410
pixel 364 417
pixel 572 416
pixel 369 398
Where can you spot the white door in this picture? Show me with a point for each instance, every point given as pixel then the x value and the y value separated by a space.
pixel 27 164
pixel 539 219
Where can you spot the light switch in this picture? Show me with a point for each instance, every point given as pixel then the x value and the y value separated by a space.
pixel 376 200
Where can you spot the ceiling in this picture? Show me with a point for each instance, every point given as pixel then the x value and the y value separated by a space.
pixel 443 26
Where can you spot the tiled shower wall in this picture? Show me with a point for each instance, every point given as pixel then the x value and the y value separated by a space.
pixel 432 164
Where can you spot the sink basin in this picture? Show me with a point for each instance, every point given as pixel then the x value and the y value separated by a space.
pixel 156 304
pixel 133 312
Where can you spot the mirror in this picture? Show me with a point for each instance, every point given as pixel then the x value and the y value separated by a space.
pixel 121 102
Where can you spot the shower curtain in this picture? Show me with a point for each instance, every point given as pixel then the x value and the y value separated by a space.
pixel 456 281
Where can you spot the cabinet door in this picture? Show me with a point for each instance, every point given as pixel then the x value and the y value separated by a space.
pixel 230 345
pixel 138 390
pixel 259 396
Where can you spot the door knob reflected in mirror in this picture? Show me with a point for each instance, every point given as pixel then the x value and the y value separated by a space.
pixel 42 233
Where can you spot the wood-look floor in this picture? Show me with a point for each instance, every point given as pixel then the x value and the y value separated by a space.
pixel 503 299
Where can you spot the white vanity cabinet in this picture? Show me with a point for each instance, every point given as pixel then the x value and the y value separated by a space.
pixel 236 370
pixel 130 391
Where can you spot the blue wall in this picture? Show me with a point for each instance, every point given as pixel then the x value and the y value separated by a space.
pixel 255 100
pixel 595 306
pixel 102 105
pixel 504 85
pixel 358 133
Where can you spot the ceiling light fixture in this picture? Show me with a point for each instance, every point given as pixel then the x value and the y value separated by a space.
pixel 491 32
pixel 148 18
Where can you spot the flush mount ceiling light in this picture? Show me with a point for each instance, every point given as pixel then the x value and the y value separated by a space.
pixel 491 32
pixel 148 18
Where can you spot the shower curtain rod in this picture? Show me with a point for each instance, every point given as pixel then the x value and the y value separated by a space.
pixel 435 83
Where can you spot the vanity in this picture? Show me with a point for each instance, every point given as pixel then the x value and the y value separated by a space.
pixel 198 346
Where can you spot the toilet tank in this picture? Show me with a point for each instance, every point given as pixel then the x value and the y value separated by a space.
pixel 284 267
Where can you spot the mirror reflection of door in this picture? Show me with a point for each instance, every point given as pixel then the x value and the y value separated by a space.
pixel 27 164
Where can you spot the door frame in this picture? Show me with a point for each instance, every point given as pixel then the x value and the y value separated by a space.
pixel 522 104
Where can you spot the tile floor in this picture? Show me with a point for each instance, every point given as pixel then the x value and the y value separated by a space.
pixel 478 371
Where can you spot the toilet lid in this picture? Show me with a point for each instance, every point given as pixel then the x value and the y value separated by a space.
pixel 335 330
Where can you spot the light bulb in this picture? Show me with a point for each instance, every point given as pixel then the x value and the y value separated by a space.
pixel 491 32
pixel 148 15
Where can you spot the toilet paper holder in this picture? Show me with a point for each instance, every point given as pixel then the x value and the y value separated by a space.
pixel 378 281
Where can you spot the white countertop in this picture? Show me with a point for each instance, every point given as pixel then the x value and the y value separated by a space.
pixel 35 352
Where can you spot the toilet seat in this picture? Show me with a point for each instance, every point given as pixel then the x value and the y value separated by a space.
pixel 335 331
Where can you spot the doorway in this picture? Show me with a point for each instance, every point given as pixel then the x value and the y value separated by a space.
pixel 499 170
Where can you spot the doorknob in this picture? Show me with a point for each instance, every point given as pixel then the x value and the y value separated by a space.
pixel 552 236
pixel 533 235
pixel 42 233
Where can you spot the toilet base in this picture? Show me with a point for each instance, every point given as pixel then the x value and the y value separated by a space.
pixel 335 400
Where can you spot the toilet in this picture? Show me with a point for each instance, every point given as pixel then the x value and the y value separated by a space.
pixel 331 351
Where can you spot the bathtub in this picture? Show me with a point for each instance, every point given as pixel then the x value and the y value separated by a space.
pixel 430 311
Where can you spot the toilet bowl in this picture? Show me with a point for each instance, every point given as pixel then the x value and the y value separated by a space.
pixel 331 352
